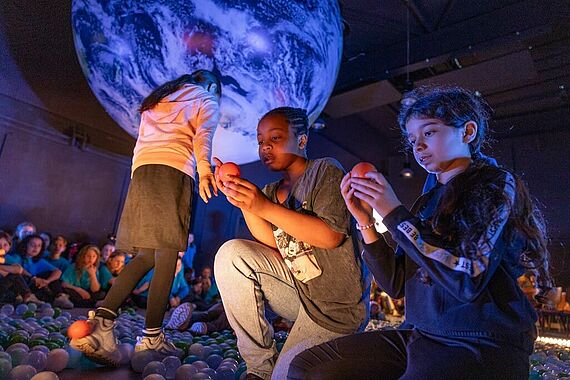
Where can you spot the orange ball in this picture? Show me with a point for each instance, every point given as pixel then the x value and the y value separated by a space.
pixel 359 170
pixel 227 169
pixel 79 329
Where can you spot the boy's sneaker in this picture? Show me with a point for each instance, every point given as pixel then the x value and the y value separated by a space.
pixel 180 317
pixel 62 301
pixel 158 344
pixel 199 328
pixel 100 345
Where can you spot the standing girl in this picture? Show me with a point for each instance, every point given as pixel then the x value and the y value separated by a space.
pixel 460 250
pixel 178 120
pixel 305 267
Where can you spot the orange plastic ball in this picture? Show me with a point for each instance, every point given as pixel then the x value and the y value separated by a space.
pixel 359 170
pixel 227 169
pixel 78 329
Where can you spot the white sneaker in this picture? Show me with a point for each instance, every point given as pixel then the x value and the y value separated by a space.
pixel 62 301
pixel 101 344
pixel 180 317
pixel 158 344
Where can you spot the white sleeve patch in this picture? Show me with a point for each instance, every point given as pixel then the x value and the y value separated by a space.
pixel 472 267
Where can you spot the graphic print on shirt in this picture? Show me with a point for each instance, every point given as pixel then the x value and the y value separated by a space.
pixel 298 256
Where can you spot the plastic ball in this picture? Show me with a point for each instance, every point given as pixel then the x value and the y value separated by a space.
pixel 126 351
pixel 79 329
pixel 7 309
pixel 74 357
pixel 207 351
pixel 225 373
pixel 17 346
pixel 22 372
pixel 214 361
pixel 209 371
pixel 227 169
pixel 191 359
pixel 359 170
pixel 46 375
pixel 196 349
pixel 201 376
pixel 200 365
pixel 21 309
pixel 57 360
pixel 184 372
pixel 18 356
pixel 141 359
pixel 154 376
pixel 154 367
pixel 171 363
pixel 5 367
pixel 36 359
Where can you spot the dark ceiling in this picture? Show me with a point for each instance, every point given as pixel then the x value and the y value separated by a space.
pixel 516 53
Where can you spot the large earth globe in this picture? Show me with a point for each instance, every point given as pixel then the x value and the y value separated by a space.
pixel 269 53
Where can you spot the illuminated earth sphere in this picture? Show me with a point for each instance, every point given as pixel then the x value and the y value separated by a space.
pixel 269 53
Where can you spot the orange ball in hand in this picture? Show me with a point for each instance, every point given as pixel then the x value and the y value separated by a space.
pixel 227 169
pixel 359 170
pixel 78 329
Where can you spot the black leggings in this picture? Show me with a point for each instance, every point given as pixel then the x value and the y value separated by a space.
pixel 410 354
pixel 164 264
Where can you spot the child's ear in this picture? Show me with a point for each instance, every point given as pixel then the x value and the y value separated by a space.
pixel 470 131
pixel 212 88
pixel 302 140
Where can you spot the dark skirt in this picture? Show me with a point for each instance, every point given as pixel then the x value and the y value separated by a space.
pixel 157 209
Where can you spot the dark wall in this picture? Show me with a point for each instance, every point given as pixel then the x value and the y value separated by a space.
pixel 57 186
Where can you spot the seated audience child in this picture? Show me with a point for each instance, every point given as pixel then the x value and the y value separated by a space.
pixel 106 251
pixel 42 277
pixel 180 288
pixel 210 291
pixel 47 238
pixel 83 280
pixel 55 256
pixel 13 287
pixel 115 264
pixel 185 317
pixel 22 230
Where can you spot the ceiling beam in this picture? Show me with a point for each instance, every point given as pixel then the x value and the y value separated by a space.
pixel 508 22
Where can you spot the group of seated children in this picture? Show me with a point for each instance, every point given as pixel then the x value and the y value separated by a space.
pixel 34 268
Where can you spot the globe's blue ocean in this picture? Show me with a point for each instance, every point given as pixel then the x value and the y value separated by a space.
pixel 269 53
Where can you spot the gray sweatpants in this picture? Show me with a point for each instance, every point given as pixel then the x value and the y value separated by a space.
pixel 249 275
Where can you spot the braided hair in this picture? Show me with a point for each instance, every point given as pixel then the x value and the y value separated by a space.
pixel 296 117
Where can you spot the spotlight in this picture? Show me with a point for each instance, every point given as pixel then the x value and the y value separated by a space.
pixel 319 124
pixel 407 171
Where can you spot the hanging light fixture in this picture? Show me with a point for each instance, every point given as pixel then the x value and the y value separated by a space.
pixel 407 171
pixel 409 84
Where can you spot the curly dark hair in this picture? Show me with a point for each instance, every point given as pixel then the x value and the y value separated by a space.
pixel 23 246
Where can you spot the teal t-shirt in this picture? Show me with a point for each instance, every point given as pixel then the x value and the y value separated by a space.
pixel 83 282
pixel 180 287
pixel 147 277
pixel 60 263
pixel 33 267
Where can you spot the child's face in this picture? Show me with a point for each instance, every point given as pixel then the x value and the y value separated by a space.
pixel 278 146
pixel 5 245
pixel 90 257
pixel 436 146
pixel 106 251
pixel 59 245
pixel 34 247
pixel 116 263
